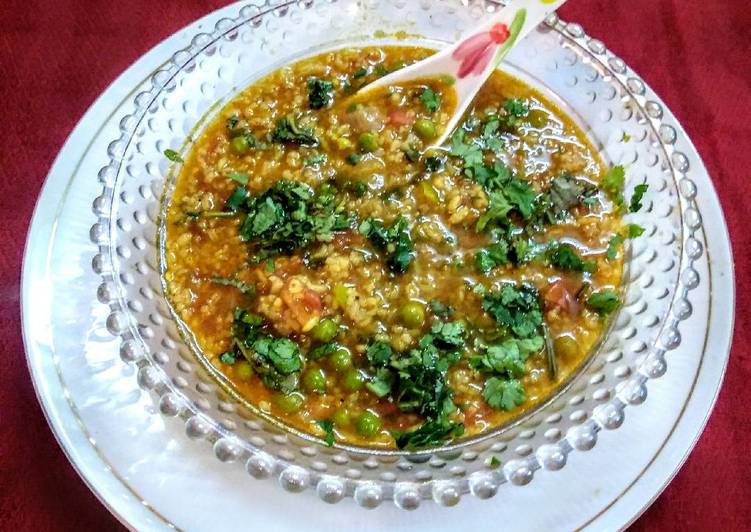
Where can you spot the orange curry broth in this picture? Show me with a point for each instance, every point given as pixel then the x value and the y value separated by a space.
pixel 352 285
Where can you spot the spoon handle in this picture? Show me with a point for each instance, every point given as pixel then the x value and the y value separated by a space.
pixel 472 60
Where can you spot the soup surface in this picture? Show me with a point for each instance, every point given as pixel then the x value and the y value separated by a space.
pixel 370 291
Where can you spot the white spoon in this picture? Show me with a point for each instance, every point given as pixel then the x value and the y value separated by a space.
pixel 471 61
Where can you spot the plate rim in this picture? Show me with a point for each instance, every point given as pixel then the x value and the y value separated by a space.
pixel 38 225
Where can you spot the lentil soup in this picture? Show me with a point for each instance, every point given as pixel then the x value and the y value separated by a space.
pixel 369 291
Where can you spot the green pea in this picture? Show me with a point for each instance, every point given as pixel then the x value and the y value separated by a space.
pixel 368 424
pixel 565 347
pixel 290 403
pixel 368 142
pixel 340 360
pixel 425 129
pixel 537 118
pixel 341 294
pixel 342 417
pixel 413 314
pixel 243 370
pixel 314 381
pixel 430 193
pixel 240 145
pixel 353 381
pixel 325 330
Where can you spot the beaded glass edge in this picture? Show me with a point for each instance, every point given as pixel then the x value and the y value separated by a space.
pixel 370 492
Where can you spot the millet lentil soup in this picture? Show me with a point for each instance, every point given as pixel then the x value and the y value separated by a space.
pixel 370 291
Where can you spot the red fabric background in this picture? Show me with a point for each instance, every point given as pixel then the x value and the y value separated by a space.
pixel 56 57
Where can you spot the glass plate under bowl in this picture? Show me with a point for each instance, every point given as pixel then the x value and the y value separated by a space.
pixel 613 106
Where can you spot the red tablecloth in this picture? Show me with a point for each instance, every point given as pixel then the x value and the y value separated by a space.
pixel 57 56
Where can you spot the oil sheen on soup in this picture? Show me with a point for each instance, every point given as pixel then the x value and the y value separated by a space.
pixel 363 288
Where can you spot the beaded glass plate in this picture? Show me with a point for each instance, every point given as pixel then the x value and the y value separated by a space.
pixel 608 100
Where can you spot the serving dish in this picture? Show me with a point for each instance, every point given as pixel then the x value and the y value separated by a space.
pixel 126 235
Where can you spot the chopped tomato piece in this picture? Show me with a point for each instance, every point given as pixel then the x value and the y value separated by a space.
pixel 312 300
pixel 401 117
pixel 562 295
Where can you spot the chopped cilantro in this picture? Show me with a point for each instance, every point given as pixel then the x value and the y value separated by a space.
pixel 323 350
pixel 508 358
pixel 432 432
pixel 434 163
pixel 637 196
pixel 612 184
pixel 240 177
pixel 320 93
pixel 430 99
pixel 448 335
pixel 439 309
pixel 634 230
pixel 379 353
pixel 411 154
pixel 492 256
pixel 328 427
pixel 565 257
pixel 236 199
pixel 503 394
pixel 227 358
pixel 287 130
pixel 494 463
pixel 613 245
pixel 245 288
pixel 270 265
pixel 289 216
pixel 514 110
pixel 316 159
pixel 277 361
pixel 360 73
pixel 516 307
pixel 354 158
pixel 173 156
pixel 394 240
pixel 604 302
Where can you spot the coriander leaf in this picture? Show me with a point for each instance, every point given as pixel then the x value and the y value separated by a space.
pixel 323 350
pixel 379 353
pixel 432 432
pixel 394 240
pixel 283 353
pixel 275 360
pixel 354 158
pixel 240 177
pixel 245 288
pixel 227 358
pixel 287 130
pixel 430 99
pixel 565 257
pixel 615 243
pixel 360 73
pixel 612 184
pixel 508 357
pixel 516 307
pixel 289 216
pixel 439 309
pixel 514 109
pixel 634 230
pixel 315 159
pixel 503 394
pixel 328 427
pixel 604 302
pixel 448 335
pixel 470 152
pixel 434 163
pixel 381 383
pixel 173 156
pixel 320 93
pixel 637 196
pixel 492 256
pixel 236 199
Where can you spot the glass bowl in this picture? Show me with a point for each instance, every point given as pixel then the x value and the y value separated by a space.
pixel 613 106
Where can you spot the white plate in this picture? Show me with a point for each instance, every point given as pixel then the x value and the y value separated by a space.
pixel 150 475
